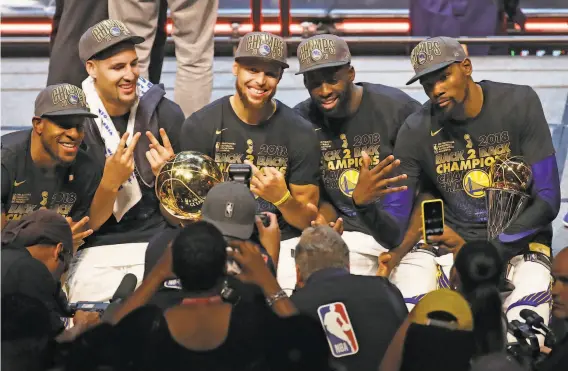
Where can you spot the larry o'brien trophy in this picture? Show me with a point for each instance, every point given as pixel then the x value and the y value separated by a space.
pixel 510 180
pixel 183 183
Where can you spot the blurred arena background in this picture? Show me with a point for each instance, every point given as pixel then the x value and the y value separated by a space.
pixel 379 31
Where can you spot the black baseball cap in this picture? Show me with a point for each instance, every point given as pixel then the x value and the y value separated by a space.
pixel 434 54
pixel 103 36
pixel 322 51
pixel 62 100
pixel 231 207
pixel 41 226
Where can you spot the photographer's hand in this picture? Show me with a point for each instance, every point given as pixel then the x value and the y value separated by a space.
pixel 270 237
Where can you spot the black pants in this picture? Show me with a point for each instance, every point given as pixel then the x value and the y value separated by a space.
pixel 72 18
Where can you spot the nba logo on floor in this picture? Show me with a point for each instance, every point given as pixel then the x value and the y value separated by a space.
pixel 338 329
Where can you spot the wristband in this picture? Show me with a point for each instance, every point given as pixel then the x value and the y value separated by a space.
pixel 283 199
pixel 270 300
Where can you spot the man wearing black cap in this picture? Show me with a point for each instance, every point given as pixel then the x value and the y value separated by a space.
pixel 252 127
pixel 452 142
pixel 44 168
pixel 356 126
pixel 231 207
pixel 130 109
pixel 36 251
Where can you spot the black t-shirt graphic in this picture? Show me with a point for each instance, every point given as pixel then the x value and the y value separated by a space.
pixel 27 188
pixel 373 129
pixel 457 156
pixel 285 141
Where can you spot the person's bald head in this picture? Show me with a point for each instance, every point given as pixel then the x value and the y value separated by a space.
pixel 560 287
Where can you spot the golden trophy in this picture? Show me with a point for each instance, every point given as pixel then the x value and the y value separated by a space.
pixel 183 182
pixel 508 193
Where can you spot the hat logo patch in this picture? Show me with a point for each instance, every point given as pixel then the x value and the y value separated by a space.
pixel 317 55
pixel 106 30
pixel 315 50
pixel 115 31
pixel 73 99
pixel 424 53
pixel 421 57
pixel 229 207
pixel 264 50
pixel 66 94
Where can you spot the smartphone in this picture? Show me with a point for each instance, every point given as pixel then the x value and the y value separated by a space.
pixel 240 173
pixel 265 219
pixel 432 218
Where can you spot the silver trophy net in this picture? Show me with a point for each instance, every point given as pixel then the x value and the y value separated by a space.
pixel 507 195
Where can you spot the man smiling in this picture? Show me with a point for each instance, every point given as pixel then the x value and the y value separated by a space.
pixel 252 127
pixel 43 168
pixel 356 124
pixel 132 113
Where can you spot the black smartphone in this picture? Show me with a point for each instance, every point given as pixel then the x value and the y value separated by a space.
pixel 265 219
pixel 240 173
pixel 432 218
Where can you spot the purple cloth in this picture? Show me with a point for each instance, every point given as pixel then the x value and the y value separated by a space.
pixel 455 18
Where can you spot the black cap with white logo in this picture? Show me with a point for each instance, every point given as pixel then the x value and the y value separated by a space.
pixel 231 207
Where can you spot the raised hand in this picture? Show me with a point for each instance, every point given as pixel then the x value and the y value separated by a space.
pixel 269 184
pixel 120 165
pixel 159 154
pixel 79 232
pixel 374 183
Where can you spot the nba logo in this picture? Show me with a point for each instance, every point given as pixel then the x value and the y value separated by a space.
pixel 338 329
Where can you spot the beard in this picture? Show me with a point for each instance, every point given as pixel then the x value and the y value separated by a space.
pixel 455 110
pixel 341 109
pixel 53 153
pixel 247 103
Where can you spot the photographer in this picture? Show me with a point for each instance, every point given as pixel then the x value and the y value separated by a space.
pixel 558 356
pixel 204 329
pixel 36 252
pixel 231 207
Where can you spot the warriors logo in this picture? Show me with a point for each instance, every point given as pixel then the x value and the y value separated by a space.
pixel 347 181
pixel 475 182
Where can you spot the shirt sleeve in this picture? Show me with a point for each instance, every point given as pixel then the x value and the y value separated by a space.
pixel 6 187
pixel 195 136
pixel 536 140
pixel 171 119
pixel 537 149
pixel 34 283
pixel 305 158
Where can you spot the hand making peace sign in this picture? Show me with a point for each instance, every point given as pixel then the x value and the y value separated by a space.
pixel 120 165
pixel 159 154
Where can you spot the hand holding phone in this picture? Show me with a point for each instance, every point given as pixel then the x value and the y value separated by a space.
pixel 432 219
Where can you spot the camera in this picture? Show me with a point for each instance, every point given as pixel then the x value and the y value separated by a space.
pixel 240 173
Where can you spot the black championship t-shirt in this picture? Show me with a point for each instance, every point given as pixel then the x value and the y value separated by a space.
pixel 144 219
pixel 26 188
pixel 456 156
pixel 286 142
pixel 373 129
